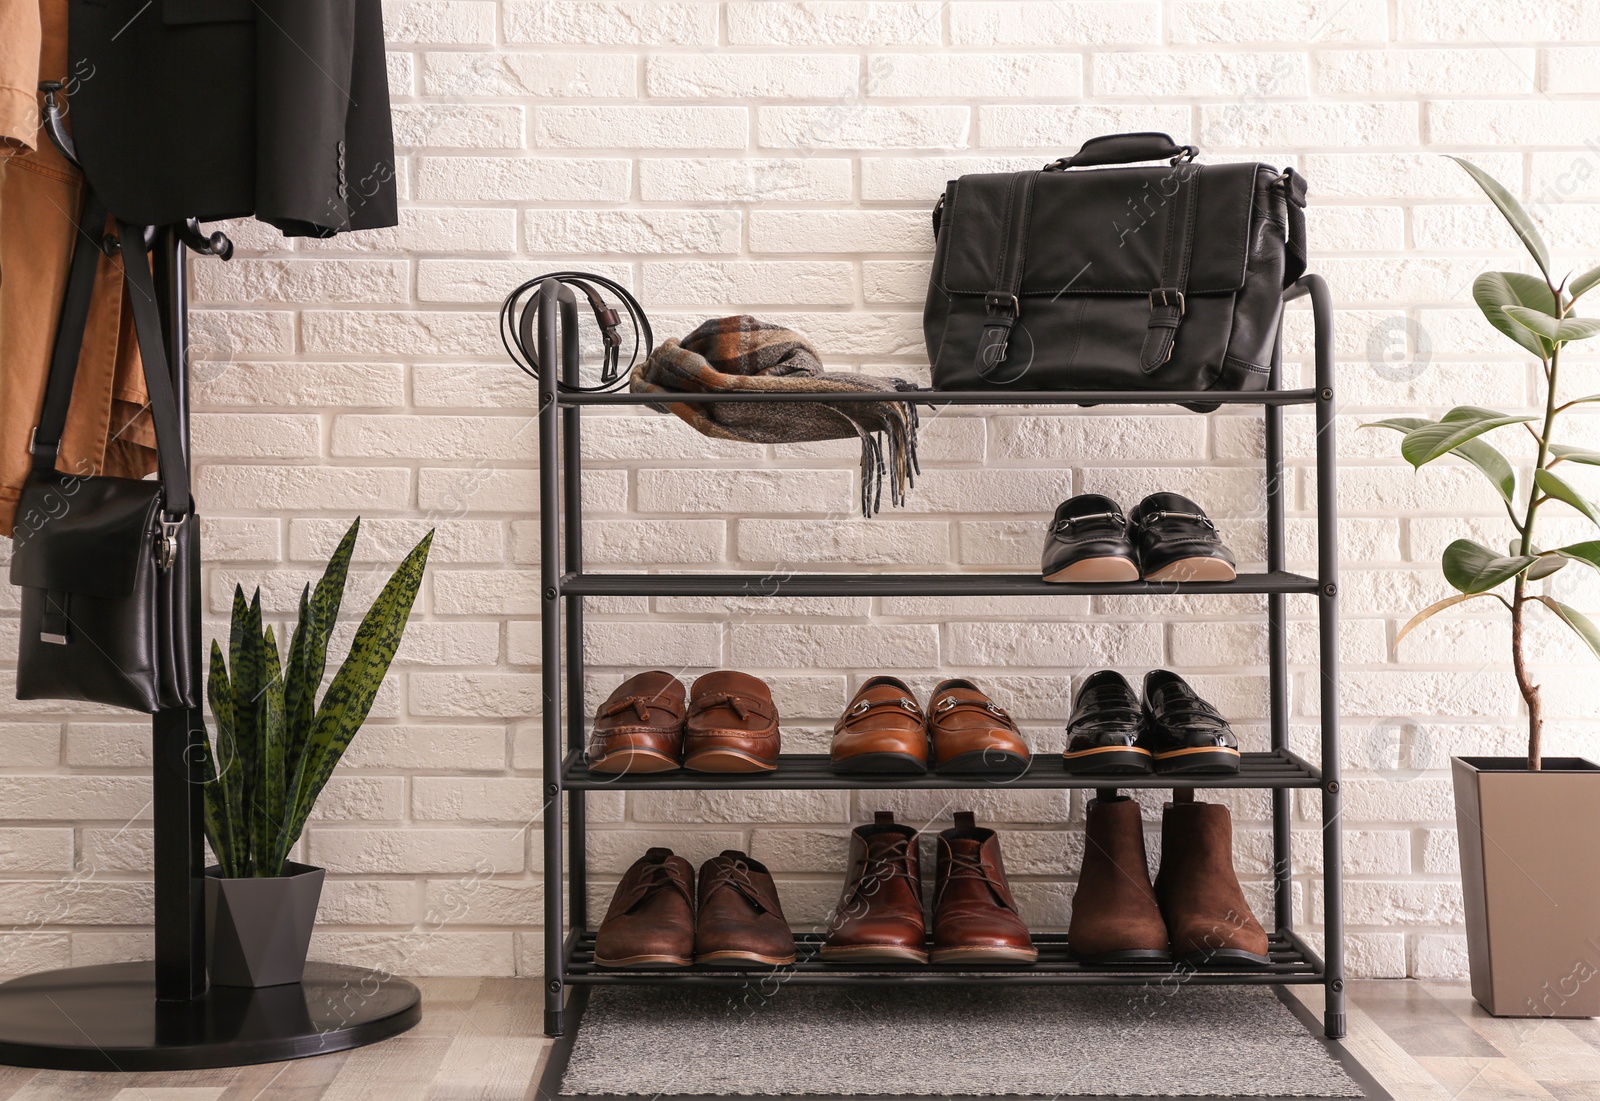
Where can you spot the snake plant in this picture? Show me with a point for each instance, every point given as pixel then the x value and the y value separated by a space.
pixel 1535 311
pixel 275 745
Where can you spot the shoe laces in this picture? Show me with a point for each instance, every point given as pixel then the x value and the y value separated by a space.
pixel 886 861
pixel 657 877
pixel 735 876
pixel 964 865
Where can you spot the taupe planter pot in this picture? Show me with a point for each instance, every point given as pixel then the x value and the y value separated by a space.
pixel 259 930
pixel 1530 877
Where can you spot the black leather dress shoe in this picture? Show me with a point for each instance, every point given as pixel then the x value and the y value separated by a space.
pixel 1177 541
pixel 1089 541
pixel 1103 728
pixel 1183 732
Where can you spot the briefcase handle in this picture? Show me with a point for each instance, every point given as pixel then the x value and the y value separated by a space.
pixel 1148 145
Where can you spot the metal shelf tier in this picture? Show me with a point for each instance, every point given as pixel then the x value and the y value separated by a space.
pixel 1279 769
pixel 565 585
pixel 1293 962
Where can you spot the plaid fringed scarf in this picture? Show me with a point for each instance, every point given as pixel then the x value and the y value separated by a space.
pixel 746 354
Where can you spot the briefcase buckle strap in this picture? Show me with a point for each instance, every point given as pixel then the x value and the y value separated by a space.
pixel 167 542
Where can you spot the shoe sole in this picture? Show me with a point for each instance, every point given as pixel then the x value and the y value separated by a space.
pixel 873 953
pixel 732 956
pixel 646 960
pixel 977 954
pixel 1094 570
pixel 635 761
pixel 1195 569
pixel 985 762
pixel 880 764
pixel 1225 957
pixel 1198 759
pixel 1125 956
pixel 727 760
pixel 1110 760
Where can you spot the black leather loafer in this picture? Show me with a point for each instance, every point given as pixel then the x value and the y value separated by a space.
pixel 1177 541
pixel 1103 729
pixel 1089 541
pixel 1183 732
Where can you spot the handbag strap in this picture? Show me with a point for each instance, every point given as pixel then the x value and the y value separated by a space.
pixel 74 318
pixel 1167 303
pixel 1003 305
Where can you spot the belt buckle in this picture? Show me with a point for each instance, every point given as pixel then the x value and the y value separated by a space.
pixel 1163 298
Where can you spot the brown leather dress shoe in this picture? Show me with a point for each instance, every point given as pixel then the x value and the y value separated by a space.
pixel 975 918
pixel 1115 918
pixel 879 917
pixel 740 920
pixel 1208 920
pixel 883 732
pixel 732 726
pixel 972 735
pixel 640 726
pixel 651 917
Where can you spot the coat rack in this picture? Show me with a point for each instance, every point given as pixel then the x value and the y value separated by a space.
pixel 161 1015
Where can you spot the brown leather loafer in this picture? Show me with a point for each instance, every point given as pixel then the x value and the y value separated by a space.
pixel 1115 918
pixel 732 725
pixel 975 918
pixel 640 726
pixel 650 921
pixel 972 735
pixel 740 920
pixel 879 916
pixel 883 732
pixel 1208 920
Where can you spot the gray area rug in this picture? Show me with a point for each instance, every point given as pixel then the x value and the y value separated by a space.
pixel 1164 1041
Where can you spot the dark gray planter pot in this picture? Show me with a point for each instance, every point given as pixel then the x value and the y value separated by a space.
pixel 259 930
pixel 1530 879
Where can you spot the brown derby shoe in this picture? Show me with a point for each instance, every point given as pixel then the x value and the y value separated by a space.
pixel 651 916
pixel 975 917
pixel 1115 918
pixel 972 735
pixel 732 726
pixel 883 732
pixel 640 726
pixel 879 916
pixel 1208 920
pixel 740 920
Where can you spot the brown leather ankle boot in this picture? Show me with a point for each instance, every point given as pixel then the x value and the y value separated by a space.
pixel 975 918
pixel 1208 919
pixel 1115 918
pixel 879 916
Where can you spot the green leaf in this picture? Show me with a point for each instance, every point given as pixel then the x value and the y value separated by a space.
pixel 1569 454
pixel 1434 609
pixel 1519 219
pixel 1559 330
pixel 1584 282
pixel 1545 565
pixel 349 697
pixel 1479 453
pixel 308 649
pixel 1575 619
pixel 220 771
pixel 1554 486
pixel 1463 423
pixel 270 797
pixel 1493 291
pixel 1587 551
pixel 1473 568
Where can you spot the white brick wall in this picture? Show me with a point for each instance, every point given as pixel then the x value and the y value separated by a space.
pixel 782 158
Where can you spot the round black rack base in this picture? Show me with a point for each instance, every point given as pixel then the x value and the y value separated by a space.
pixel 107 1018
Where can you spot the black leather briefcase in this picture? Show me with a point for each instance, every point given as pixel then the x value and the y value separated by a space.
pixel 1085 277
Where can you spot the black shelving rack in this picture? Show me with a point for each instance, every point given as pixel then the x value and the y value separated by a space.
pixel 569 940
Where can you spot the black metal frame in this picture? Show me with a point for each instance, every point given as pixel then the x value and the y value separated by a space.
pixel 565 583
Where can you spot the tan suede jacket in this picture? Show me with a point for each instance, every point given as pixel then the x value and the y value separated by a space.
pixel 108 428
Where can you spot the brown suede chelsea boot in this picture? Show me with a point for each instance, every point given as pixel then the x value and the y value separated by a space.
pixel 879 917
pixel 1115 918
pixel 1208 919
pixel 975 918
pixel 651 917
pixel 740 920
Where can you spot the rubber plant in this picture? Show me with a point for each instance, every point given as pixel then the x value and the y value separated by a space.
pixel 1536 312
pixel 275 745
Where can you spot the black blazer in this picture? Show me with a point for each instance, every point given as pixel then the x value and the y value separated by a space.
pixel 225 108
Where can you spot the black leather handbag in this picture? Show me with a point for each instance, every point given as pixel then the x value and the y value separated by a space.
pixel 1086 277
pixel 107 565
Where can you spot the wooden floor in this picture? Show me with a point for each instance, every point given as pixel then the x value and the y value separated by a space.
pixel 480 1040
